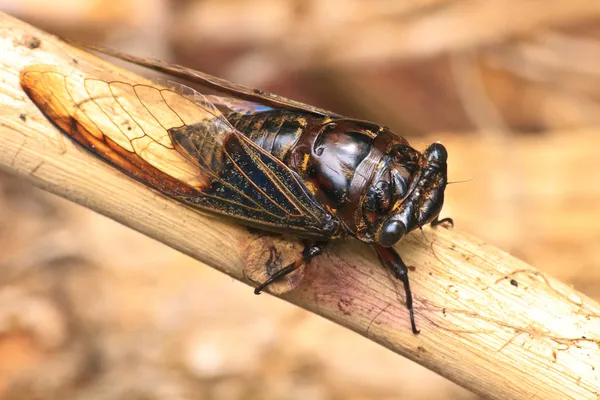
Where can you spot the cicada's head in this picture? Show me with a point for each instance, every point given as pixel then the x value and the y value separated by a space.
pixel 406 192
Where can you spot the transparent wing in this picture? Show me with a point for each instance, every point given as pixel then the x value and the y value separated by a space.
pixel 175 140
pixel 238 106
pixel 223 86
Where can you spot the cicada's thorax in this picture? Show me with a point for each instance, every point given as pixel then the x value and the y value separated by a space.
pixel 337 159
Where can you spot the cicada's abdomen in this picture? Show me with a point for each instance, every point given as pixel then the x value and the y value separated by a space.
pixel 274 131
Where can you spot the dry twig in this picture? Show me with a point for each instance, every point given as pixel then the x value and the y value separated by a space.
pixel 489 322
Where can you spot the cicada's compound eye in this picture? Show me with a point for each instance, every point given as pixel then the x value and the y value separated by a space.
pixel 391 232
pixel 437 155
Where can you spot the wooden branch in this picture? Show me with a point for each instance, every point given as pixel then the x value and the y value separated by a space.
pixel 488 321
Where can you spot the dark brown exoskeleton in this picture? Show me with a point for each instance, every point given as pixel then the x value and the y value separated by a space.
pixel 266 161
pixel 376 187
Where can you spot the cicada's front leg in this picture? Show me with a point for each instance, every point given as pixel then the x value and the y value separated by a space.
pixel 311 250
pixel 392 261
pixel 437 222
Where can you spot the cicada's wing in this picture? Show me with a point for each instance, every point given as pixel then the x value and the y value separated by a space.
pixel 229 89
pixel 176 141
pixel 237 106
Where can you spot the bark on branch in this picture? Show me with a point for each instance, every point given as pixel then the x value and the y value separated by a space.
pixel 488 321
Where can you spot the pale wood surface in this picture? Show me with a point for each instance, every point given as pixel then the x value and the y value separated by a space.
pixel 489 322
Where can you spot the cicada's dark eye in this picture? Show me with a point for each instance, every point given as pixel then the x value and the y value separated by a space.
pixel 391 232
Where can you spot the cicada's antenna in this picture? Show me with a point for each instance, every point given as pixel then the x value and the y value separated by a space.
pixel 466 180
pixel 430 244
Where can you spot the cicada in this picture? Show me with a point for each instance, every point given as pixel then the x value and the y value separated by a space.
pixel 264 160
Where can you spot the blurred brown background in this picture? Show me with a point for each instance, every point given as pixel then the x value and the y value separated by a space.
pixel 92 310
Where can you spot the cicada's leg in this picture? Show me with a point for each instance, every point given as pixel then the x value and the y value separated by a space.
pixel 392 261
pixel 311 250
pixel 437 222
